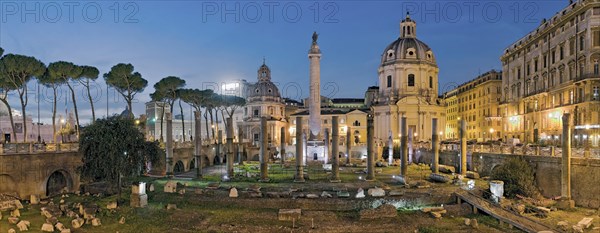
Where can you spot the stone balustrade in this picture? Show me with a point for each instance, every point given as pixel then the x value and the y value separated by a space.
pixel 32 148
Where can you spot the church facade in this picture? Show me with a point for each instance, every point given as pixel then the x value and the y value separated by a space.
pixel 408 87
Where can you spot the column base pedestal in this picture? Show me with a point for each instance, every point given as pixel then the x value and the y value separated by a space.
pixel 565 204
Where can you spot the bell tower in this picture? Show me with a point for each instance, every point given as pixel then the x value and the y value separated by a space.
pixel 264 73
pixel 408 27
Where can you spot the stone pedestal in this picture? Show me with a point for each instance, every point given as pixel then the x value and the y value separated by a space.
pixel 138 200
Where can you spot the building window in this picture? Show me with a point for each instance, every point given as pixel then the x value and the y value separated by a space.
pixel 430 82
pixel 411 80
pixel 535 65
pixel 581 43
pixel 596 38
pixel 596 71
pixel 561 52
pixel 595 93
pixel 256 137
pixel 553 56
pixel 389 81
pixel 256 112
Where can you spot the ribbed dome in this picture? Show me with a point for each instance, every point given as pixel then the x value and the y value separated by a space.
pixel 407 48
pixel 264 88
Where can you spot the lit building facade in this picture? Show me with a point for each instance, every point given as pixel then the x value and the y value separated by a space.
pixel 476 102
pixel 551 71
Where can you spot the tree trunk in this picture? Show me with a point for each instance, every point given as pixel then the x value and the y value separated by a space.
pixel 182 121
pixel 23 106
pixel 162 118
pixel 212 123
pixel 206 124
pixel 91 101
pixel 129 108
pixel 54 87
pixel 12 121
pixel 75 108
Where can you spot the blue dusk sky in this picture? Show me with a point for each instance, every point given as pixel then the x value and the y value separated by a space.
pixel 208 42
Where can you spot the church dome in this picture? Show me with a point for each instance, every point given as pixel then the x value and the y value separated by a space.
pixel 407 47
pixel 264 87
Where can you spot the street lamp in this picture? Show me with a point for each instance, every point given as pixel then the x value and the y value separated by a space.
pixel 492 134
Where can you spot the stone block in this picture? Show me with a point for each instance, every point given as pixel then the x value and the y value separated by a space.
pixel 23 225
pixel 13 220
pixel 171 207
pixel 343 194
pixel 138 200
pixel 111 205
pixel 11 230
pixel 139 188
pixel 289 214
pixel 34 199
pixel 233 192
pixel 96 222
pixel 47 227
pixel 585 223
pixel 77 223
pixel 170 187
pixel 376 192
pixel 360 193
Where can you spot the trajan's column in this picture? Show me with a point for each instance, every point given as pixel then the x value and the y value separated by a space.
pixel 314 120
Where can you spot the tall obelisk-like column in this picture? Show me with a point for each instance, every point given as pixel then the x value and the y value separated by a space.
pixel 314 120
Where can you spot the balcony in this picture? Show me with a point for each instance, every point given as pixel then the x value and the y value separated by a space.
pixel 586 77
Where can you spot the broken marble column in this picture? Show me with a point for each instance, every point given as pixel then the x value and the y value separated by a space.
pixel 335 136
pixel 390 149
pixel 299 152
pixel 229 148
pixel 435 141
pixel 566 157
pixel 404 145
pixel 138 197
pixel 169 144
pixel 348 144
pixel 370 152
pixel 282 146
pixel 463 148
pixel 240 147
pixel 411 145
pixel 264 152
pixel 326 155
pixel 198 143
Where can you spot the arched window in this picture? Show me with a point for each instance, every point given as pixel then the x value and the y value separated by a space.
pixel 411 80
pixel 389 81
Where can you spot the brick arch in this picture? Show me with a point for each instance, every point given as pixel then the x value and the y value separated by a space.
pixel 57 175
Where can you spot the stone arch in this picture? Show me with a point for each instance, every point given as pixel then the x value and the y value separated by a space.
pixel 58 181
pixel 8 184
pixel 179 167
